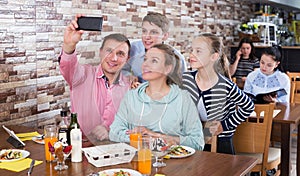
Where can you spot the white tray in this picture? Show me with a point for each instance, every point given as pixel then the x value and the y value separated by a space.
pixel 111 154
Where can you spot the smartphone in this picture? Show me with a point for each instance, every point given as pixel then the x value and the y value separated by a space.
pixel 90 23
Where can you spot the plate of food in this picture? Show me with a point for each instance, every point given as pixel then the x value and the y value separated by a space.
pixel 181 151
pixel 10 155
pixel 39 139
pixel 119 172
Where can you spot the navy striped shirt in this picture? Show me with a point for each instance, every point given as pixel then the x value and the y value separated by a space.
pixel 224 102
pixel 245 66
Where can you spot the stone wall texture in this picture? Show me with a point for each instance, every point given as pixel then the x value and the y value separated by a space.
pixel 32 90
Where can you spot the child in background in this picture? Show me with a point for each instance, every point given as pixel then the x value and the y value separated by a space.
pixel 244 61
pixel 269 77
pixel 155 30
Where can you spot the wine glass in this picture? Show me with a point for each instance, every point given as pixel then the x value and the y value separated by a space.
pixel 159 149
pixel 60 151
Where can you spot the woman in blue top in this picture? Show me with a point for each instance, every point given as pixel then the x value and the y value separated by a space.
pixel 159 107
pixel 269 77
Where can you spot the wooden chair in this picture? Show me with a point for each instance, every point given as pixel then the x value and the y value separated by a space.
pixel 213 144
pixel 239 82
pixel 233 79
pixel 295 92
pixel 252 138
pixel 212 141
pixel 295 86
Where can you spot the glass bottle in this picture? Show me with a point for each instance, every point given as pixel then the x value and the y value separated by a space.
pixel 63 127
pixel 72 125
pixel 76 142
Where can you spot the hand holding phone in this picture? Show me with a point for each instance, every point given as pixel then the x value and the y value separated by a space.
pixel 239 54
pixel 90 23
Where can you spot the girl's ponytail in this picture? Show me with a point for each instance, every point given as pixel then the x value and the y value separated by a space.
pixel 223 66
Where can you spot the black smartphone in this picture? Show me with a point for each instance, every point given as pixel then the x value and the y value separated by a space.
pixel 90 23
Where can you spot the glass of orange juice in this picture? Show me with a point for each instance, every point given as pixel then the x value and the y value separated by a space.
pixel 134 138
pixel 51 134
pixel 144 155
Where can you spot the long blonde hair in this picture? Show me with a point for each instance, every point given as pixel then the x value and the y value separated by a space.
pixel 216 46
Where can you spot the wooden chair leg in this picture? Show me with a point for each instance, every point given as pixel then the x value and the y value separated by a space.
pixel 214 144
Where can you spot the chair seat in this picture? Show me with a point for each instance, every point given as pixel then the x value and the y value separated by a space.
pixel 274 154
pixel 252 139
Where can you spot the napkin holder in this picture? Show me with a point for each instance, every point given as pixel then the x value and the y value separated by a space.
pixel 15 142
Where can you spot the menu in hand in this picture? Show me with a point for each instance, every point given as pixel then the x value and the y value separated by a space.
pixel 258 99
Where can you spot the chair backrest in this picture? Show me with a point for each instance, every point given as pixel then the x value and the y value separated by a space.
pixel 208 137
pixel 233 79
pixel 295 86
pixel 239 82
pixel 253 135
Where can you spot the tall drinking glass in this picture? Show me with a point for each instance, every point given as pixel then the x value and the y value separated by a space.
pixel 51 134
pixel 144 155
pixel 134 137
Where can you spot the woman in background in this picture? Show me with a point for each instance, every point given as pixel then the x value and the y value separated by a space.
pixel 269 77
pixel 158 107
pixel 217 98
pixel 244 61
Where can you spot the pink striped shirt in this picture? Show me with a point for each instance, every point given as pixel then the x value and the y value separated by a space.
pixel 95 102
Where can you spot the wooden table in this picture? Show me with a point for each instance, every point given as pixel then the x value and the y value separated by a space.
pixel 204 163
pixel 283 124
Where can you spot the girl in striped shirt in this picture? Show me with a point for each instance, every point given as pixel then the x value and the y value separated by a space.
pixel 220 103
pixel 244 61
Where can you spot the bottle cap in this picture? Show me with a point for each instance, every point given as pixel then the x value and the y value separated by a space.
pixel 63 113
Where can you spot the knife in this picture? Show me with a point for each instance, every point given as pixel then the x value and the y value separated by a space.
pixel 31 167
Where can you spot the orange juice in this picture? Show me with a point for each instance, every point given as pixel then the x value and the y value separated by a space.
pixel 144 161
pixel 134 137
pixel 48 155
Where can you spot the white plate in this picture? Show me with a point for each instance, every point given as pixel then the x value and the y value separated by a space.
pixel 191 150
pixel 111 172
pixel 25 154
pixel 38 140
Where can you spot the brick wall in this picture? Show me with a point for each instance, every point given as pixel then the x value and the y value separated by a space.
pixel 32 91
